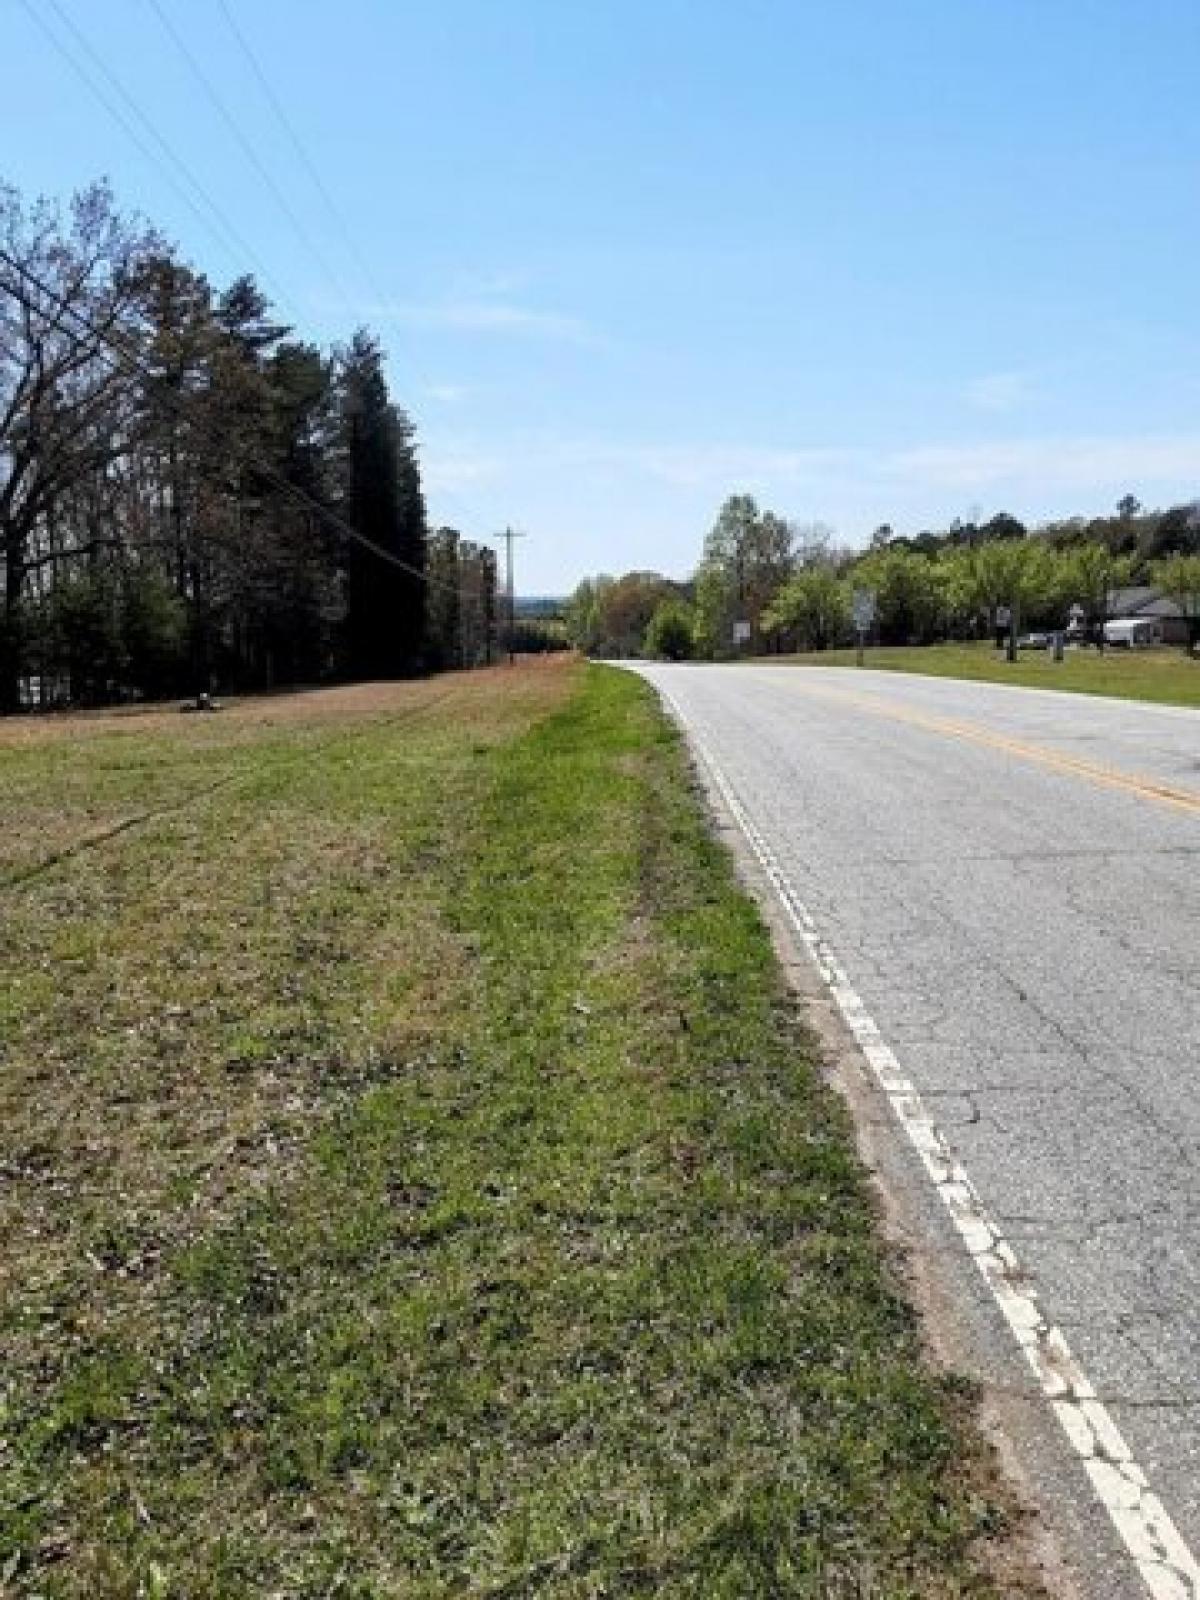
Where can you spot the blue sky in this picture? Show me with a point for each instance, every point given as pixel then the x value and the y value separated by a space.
pixel 868 261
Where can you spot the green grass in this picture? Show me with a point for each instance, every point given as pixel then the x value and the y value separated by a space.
pixel 1166 676
pixel 417 1181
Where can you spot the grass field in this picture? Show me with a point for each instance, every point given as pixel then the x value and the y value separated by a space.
pixel 1164 675
pixel 415 1181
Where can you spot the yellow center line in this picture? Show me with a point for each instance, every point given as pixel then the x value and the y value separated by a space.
pixel 1145 788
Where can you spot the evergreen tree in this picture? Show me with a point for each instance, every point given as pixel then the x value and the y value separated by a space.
pixel 444 612
pixel 385 624
pixel 173 471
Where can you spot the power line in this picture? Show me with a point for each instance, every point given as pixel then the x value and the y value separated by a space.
pixel 310 167
pixel 348 237
pixel 299 149
pixel 215 222
pixel 132 363
pixel 247 147
pixel 96 73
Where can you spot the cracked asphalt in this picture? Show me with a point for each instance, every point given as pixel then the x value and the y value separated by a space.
pixel 1009 877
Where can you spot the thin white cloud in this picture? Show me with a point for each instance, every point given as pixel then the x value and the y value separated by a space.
pixel 1081 462
pixel 685 465
pixel 448 393
pixel 1025 473
pixel 487 285
pixel 689 465
pixel 998 391
pixel 594 502
pixel 454 469
pixel 488 316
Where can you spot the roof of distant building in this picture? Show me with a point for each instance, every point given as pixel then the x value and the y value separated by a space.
pixel 1142 600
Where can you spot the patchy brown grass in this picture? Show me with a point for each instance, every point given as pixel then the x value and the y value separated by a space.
pixel 183 999
pixel 69 780
pixel 414 1180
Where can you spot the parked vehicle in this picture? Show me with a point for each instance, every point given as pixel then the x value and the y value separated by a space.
pixel 1133 633
pixel 1035 641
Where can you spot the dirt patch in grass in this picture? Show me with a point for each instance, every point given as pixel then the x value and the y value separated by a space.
pixel 417 1182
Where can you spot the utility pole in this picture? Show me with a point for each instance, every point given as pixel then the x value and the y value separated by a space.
pixel 508 536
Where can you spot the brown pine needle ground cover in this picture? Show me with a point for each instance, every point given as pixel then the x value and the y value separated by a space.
pixel 414 1180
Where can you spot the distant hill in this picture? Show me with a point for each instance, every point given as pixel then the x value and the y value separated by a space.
pixel 540 605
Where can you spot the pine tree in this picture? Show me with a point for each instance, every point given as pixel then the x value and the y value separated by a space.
pixel 385 624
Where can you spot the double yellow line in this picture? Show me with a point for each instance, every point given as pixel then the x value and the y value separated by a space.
pixel 1054 760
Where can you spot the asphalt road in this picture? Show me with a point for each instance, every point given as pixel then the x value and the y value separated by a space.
pixel 1009 879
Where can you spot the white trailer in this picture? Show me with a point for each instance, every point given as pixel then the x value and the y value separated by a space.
pixel 1133 633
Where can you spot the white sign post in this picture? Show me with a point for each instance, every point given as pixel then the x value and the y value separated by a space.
pixel 863 607
pixel 741 634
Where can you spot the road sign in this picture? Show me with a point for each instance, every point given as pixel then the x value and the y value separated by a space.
pixel 741 633
pixel 864 609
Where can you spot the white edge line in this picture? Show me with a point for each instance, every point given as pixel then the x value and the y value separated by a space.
pixel 1166 1564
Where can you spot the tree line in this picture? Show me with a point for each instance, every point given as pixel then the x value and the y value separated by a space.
pixel 766 584
pixel 192 497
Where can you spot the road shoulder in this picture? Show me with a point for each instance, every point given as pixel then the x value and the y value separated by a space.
pixel 1058 1526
